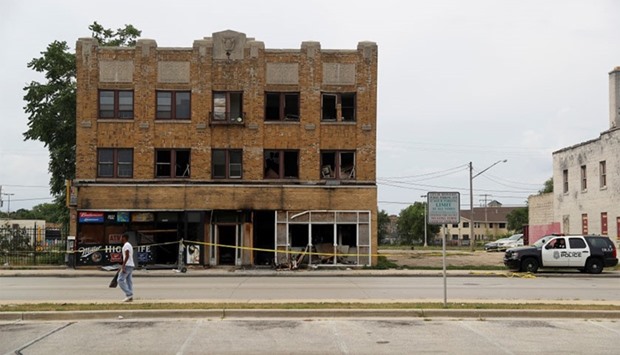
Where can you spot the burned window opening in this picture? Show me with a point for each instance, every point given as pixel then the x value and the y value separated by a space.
pixel 338 165
pixel 281 106
pixel 172 163
pixel 338 107
pixel 281 164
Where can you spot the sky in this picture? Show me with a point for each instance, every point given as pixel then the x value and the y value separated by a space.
pixel 476 81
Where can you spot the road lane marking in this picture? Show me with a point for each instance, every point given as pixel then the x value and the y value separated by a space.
pixel 190 337
pixel 19 350
pixel 490 340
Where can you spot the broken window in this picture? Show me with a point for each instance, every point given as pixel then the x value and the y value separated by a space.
pixel 281 106
pixel 338 165
pixel 227 107
pixel 281 164
pixel 226 164
pixel 173 105
pixel 172 163
pixel 338 107
pixel 115 163
pixel 115 104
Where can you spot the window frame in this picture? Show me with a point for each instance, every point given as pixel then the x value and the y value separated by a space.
pixel 227 113
pixel 584 178
pixel 337 169
pixel 173 105
pixel 116 110
pixel 281 164
pixel 227 164
pixel 339 109
pixel 115 163
pixel 602 166
pixel 282 114
pixel 173 163
pixel 565 181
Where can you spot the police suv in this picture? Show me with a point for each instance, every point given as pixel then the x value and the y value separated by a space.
pixel 586 253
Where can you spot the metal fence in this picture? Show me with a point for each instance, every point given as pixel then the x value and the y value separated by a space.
pixel 32 246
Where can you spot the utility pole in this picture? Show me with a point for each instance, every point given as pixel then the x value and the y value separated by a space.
pixel 425 242
pixel 486 223
pixel 8 206
pixel 472 238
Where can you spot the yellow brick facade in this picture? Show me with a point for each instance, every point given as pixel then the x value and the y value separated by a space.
pixel 226 62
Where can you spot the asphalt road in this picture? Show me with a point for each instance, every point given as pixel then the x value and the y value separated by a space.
pixel 312 336
pixel 578 288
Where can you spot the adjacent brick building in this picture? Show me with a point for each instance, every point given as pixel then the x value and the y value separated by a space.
pixel 586 183
pixel 226 143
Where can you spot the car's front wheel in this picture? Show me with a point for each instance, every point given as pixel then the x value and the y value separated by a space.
pixel 529 265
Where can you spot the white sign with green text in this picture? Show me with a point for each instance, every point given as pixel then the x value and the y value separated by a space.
pixel 444 207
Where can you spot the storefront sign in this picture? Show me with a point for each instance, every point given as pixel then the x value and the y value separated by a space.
pixel 90 217
pixel 114 238
pixel 122 217
pixel 111 254
pixel 142 217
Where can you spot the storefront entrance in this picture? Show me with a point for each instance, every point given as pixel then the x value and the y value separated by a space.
pixel 226 235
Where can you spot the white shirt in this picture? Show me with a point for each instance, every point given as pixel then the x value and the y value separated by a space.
pixel 129 262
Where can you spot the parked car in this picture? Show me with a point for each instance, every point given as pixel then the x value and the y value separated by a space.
pixel 515 240
pixel 492 246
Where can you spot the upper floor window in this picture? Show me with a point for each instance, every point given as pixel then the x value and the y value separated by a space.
pixel 281 164
pixel 281 106
pixel 338 165
pixel 172 163
pixel 114 163
pixel 565 181
pixel 584 178
pixel 173 105
pixel 338 107
pixel 226 164
pixel 115 104
pixel 602 167
pixel 227 107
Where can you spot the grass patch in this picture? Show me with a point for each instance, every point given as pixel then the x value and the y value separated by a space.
pixel 43 307
pixel 383 264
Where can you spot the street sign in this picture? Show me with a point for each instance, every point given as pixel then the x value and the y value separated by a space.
pixel 444 207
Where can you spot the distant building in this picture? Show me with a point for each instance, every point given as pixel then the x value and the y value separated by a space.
pixel 489 223
pixel 391 230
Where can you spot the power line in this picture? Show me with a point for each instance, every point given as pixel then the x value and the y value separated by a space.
pixel 29 186
pixel 426 186
pixel 425 174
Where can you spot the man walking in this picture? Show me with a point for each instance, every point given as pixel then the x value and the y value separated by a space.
pixel 125 281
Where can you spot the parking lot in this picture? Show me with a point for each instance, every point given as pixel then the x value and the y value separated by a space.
pixel 312 336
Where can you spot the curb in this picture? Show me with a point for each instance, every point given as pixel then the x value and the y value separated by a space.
pixel 147 274
pixel 301 313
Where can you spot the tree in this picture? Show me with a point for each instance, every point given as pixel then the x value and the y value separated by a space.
pixel 548 186
pixel 382 223
pixel 411 224
pixel 517 218
pixel 50 105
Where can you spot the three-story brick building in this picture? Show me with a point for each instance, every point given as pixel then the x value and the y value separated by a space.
pixel 249 152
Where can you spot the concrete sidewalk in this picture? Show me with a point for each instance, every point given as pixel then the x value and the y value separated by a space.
pixel 306 314
pixel 327 272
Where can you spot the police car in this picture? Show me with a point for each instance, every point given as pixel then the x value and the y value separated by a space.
pixel 586 253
